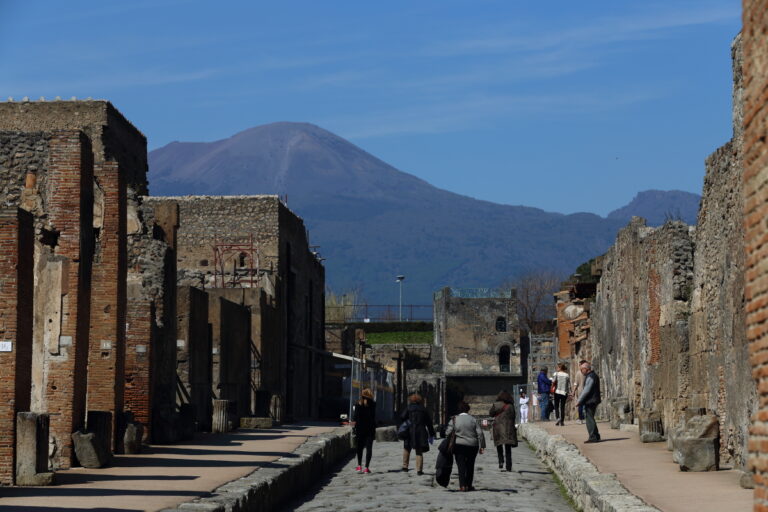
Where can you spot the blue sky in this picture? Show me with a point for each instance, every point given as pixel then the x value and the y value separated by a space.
pixel 566 106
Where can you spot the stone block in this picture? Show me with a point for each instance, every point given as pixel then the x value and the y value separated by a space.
pixel 747 480
pixel 706 425
pixel 134 432
pixel 256 422
pixel 220 420
pixel 99 423
pixel 386 434
pixel 695 453
pixel 90 451
pixel 32 449
pixel 651 428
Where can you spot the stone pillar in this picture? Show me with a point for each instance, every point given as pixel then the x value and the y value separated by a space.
pixel 220 416
pixel 193 354
pixel 32 449
pixel 16 289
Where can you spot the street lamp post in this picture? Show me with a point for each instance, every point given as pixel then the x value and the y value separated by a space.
pixel 400 280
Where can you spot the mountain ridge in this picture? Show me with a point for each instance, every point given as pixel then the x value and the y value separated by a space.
pixel 374 221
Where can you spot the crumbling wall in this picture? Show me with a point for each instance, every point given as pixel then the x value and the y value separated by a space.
pixel 669 322
pixel 193 353
pixel 639 337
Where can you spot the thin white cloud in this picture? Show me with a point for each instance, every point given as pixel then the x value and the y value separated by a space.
pixel 479 111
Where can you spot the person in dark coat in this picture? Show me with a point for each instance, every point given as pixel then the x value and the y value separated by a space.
pixel 469 442
pixel 590 398
pixel 421 432
pixel 364 417
pixel 504 431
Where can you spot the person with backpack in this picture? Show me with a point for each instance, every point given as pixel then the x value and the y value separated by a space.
pixel 364 418
pixel 561 386
pixel 504 431
pixel 419 434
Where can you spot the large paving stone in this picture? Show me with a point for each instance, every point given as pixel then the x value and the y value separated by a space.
pixel 386 434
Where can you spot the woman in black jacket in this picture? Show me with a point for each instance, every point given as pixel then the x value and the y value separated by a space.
pixel 364 417
pixel 421 432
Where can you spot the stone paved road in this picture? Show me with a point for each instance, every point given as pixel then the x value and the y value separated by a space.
pixel 529 487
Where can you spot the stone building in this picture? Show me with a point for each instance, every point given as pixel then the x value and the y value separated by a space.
pixel 257 242
pixel 478 335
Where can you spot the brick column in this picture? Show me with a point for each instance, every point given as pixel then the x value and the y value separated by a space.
pixel 138 357
pixel 16 313
pixel 755 152
pixel 70 212
pixel 106 355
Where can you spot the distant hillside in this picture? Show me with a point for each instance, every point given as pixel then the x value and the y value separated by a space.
pixel 372 221
pixel 658 206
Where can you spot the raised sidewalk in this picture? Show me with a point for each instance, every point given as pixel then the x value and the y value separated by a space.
pixel 212 468
pixel 645 470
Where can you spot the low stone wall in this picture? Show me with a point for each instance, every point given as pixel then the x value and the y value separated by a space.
pixel 591 490
pixel 267 488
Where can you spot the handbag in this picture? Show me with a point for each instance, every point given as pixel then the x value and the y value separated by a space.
pixel 447 445
pixel 554 385
pixel 404 430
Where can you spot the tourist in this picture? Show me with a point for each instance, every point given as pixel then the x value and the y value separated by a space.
pixel 561 383
pixel 523 406
pixel 421 432
pixel 469 440
pixel 578 385
pixel 544 385
pixel 590 398
pixel 364 419
pixel 504 432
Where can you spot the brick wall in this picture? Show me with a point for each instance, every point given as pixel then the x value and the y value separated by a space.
pixel 70 213
pixel 16 292
pixel 755 157
pixel 106 357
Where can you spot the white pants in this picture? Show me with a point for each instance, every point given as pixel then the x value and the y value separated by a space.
pixel 524 414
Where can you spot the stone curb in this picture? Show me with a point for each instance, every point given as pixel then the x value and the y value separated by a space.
pixel 591 490
pixel 268 487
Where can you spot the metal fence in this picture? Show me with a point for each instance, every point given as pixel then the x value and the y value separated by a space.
pixel 379 313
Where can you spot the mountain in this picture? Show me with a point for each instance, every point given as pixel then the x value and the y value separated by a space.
pixel 373 222
pixel 659 206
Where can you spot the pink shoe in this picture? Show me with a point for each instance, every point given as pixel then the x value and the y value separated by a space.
pixel 359 469
pixel 366 470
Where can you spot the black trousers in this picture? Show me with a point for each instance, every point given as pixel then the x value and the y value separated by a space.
pixel 505 449
pixel 560 406
pixel 589 412
pixel 465 461
pixel 364 441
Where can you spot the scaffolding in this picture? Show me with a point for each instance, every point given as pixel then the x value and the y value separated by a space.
pixel 244 260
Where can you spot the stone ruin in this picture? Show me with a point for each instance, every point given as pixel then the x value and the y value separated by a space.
pixel 92 350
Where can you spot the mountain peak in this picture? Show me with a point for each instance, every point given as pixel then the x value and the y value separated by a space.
pixel 659 206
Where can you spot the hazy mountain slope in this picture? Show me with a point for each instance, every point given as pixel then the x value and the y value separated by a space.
pixel 373 221
pixel 658 206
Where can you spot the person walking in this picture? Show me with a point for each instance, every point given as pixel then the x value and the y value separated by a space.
pixel 469 441
pixel 524 399
pixel 561 381
pixel 364 418
pixel 504 431
pixel 590 398
pixel 544 385
pixel 421 432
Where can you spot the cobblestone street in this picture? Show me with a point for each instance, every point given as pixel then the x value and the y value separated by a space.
pixel 529 487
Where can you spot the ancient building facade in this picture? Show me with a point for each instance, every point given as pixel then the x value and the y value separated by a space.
pixel 79 167
pixel 755 207
pixel 478 335
pixel 258 242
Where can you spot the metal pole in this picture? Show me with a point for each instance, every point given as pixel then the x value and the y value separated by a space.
pixel 401 301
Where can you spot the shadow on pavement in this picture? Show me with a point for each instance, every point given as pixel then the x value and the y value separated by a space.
pixel 21 492
pixel 63 478
pixel 14 508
